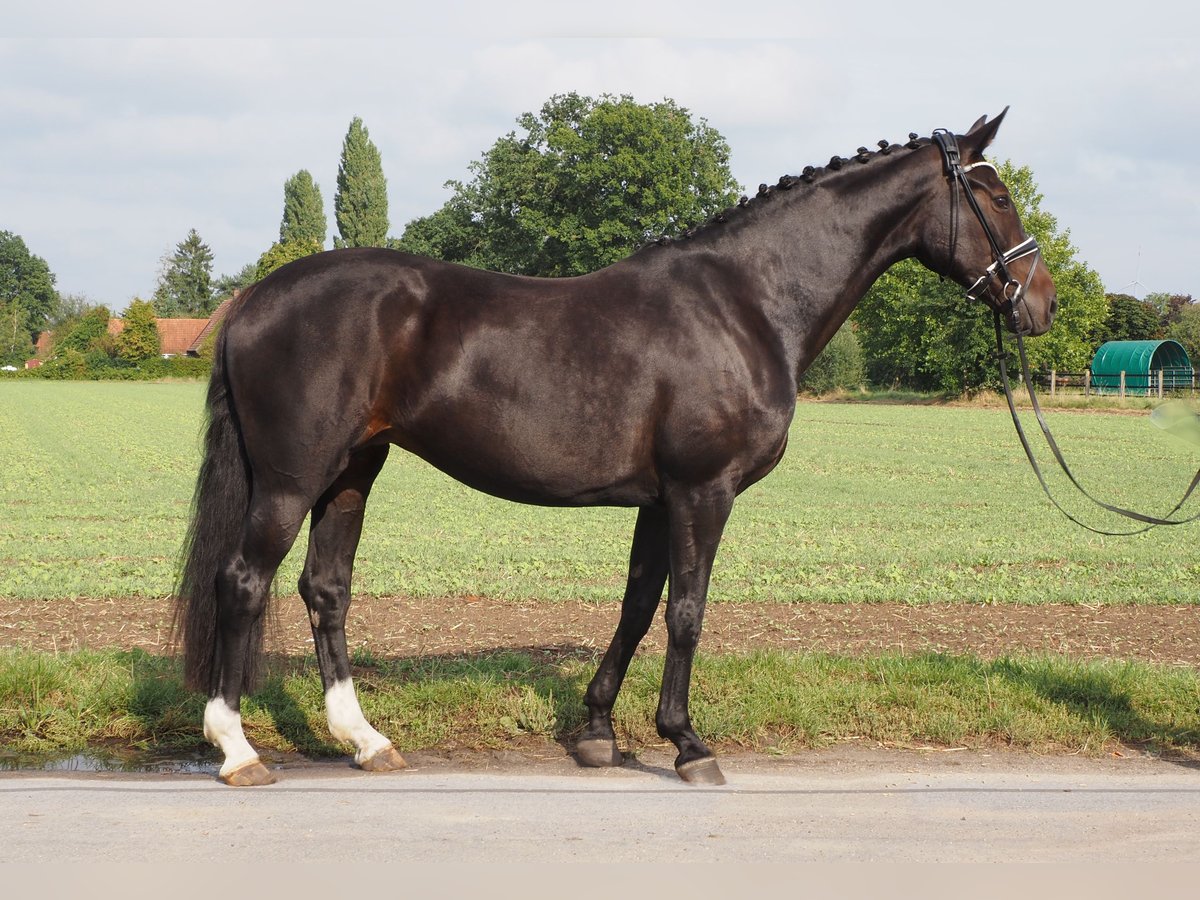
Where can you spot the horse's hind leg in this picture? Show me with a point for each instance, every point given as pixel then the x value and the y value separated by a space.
pixel 243 589
pixel 648 563
pixel 325 586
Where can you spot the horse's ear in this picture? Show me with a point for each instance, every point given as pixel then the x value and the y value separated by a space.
pixel 983 132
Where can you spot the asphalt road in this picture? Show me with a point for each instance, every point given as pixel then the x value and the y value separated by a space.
pixel 847 806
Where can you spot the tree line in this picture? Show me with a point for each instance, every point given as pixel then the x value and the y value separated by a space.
pixel 579 185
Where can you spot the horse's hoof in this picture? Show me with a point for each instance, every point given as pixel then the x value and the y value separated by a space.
pixel 600 753
pixel 386 760
pixel 249 774
pixel 701 771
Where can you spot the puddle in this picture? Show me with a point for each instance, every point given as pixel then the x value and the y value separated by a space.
pixel 96 762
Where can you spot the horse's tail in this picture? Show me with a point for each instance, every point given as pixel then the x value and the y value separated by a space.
pixel 219 506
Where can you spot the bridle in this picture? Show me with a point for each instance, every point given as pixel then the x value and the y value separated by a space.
pixel 1012 293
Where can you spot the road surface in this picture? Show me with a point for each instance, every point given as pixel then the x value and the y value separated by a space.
pixel 828 806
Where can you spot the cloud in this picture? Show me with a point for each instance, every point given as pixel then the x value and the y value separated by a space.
pixel 115 146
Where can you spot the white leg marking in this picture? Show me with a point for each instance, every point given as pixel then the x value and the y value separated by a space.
pixel 347 723
pixel 223 726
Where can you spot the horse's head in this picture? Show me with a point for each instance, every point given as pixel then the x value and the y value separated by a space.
pixel 986 249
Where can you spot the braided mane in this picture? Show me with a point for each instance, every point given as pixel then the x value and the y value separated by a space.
pixel 809 174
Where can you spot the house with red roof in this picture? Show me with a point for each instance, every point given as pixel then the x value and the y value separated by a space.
pixel 176 337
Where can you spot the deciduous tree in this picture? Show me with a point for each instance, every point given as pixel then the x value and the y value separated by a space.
pixel 1186 330
pixel 26 284
pixel 920 332
pixel 1129 319
pixel 583 183
pixel 88 333
pixel 281 253
pixel 138 339
pixel 16 345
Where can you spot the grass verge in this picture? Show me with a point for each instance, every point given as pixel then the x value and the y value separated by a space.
pixel 767 702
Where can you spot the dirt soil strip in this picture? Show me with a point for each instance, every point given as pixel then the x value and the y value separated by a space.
pixel 403 627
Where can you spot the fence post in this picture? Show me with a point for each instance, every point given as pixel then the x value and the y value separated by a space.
pixel 1087 383
pixel 1053 381
pixel 1121 390
pixel 1160 383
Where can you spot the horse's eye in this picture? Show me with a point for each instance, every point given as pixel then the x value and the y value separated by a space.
pixel 1002 202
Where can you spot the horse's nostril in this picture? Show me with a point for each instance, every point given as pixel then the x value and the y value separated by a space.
pixel 1054 304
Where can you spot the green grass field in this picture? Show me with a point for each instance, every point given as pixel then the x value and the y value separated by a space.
pixel 873 502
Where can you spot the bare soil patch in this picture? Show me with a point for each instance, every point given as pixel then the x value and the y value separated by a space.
pixel 404 627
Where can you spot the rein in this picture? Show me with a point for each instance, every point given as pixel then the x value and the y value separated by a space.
pixel 1013 293
pixel 1151 521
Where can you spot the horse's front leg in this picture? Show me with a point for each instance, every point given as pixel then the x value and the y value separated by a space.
pixel 325 586
pixel 597 746
pixel 697 520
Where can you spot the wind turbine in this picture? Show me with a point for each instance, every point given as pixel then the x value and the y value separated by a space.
pixel 1135 283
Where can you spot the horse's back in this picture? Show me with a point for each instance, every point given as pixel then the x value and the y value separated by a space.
pixel 561 391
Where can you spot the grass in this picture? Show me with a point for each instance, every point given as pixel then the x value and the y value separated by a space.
pixel 873 502
pixel 765 702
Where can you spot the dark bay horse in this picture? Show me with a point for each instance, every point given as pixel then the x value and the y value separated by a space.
pixel 666 382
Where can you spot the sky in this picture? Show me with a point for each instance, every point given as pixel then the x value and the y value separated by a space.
pixel 126 123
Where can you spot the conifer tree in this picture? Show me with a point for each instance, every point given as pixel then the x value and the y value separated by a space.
pixel 360 204
pixel 185 285
pixel 303 211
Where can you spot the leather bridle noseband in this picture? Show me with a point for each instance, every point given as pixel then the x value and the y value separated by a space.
pixel 1012 293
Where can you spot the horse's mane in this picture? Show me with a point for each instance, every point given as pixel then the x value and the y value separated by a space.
pixel 788 182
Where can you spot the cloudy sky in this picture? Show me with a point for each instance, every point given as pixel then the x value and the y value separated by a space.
pixel 123 124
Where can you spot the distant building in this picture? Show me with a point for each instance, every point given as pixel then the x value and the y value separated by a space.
pixel 176 337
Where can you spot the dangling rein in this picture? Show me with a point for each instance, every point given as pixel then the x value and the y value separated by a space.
pixel 1151 521
pixel 1013 292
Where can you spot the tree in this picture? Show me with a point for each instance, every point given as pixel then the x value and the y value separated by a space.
pixel 360 203
pixel 838 367
pixel 185 284
pixel 303 211
pixel 89 333
pixel 919 331
pixel 280 254
pixel 1186 330
pixel 16 344
pixel 243 278
pixel 1168 306
pixel 26 284
pixel 585 183
pixel 1129 319
pixel 138 340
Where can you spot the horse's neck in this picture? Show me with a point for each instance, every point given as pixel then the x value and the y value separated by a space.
pixel 824 245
